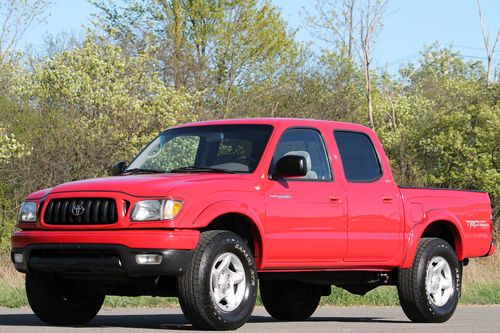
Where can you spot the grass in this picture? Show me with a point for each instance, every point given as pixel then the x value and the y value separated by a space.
pixel 481 286
pixel 12 297
pixel 382 296
pixel 140 302
pixel 482 281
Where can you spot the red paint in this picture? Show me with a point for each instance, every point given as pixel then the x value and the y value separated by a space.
pixel 139 239
pixel 492 250
pixel 297 225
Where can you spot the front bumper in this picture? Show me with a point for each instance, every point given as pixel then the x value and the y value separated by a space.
pixel 103 252
pixel 98 259
pixel 179 239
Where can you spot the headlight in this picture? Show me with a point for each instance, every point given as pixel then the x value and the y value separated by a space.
pixel 153 210
pixel 27 213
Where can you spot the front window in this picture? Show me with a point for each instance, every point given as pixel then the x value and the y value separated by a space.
pixel 223 148
pixel 307 143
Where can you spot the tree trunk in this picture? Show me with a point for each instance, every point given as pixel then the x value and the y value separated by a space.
pixel 351 30
pixel 368 85
pixel 176 6
pixel 369 97
pixel 486 37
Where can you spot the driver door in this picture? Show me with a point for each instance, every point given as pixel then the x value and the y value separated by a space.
pixel 306 224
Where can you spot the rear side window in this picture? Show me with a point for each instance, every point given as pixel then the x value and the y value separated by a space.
pixel 359 158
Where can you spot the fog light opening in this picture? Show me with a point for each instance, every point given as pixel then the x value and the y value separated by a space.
pixel 18 258
pixel 148 259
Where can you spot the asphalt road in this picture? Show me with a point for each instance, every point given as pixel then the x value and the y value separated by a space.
pixel 326 319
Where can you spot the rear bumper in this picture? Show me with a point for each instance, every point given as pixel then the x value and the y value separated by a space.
pixel 493 247
pixel 103 252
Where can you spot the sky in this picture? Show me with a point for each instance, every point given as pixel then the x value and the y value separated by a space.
pixel 408 26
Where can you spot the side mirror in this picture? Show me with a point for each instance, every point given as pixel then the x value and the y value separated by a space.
pixel 118 167
pixel 290 166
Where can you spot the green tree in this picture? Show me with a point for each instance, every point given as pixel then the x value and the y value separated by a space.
pixel 440 124
pixel 350 28
pixel 116 101
pixel 77 113
pixel 216 47
pixel 332 89
pixel 10 147
pixel 16 18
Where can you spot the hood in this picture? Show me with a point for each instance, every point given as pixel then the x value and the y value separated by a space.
pixel 142 185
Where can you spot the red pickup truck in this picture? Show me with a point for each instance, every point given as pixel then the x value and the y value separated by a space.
pixel 208 210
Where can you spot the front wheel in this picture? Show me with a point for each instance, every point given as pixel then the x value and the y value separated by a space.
pixel 219 288
pixel 61 302
pixel 430 289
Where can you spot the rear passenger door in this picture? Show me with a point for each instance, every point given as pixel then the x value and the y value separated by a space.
pixel 374 218
pixel 306 217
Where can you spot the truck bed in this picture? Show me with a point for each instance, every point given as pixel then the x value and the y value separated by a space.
pixel 471 210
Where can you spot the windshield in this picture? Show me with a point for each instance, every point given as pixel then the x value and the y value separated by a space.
pixel 213 148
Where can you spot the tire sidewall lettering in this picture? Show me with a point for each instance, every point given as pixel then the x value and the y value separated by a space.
pixel 231 245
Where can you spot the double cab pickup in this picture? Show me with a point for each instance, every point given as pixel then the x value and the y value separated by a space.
pixel 211 212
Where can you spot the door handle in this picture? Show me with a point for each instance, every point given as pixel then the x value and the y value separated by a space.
pixel 387 198
pixel 335 199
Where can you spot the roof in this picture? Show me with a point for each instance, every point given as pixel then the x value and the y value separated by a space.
pixel 282 122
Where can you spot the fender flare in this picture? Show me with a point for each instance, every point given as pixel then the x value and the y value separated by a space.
pixel 431 216
pixel 219 208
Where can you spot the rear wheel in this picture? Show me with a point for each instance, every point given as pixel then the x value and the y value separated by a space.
pixel 61 302
pixel 289 299
pixel 429 291
pixel 219 288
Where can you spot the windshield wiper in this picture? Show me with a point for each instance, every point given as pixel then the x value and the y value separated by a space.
pixel 140 170
pixel 194 168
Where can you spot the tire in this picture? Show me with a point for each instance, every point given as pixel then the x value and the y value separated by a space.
pixel 289 300
pixel 61 302
pixel 429 291
pixel 219 288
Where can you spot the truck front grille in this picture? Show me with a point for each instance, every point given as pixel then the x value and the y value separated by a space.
pixel 81 211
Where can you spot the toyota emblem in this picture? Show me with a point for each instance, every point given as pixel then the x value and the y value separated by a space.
pixel 78 210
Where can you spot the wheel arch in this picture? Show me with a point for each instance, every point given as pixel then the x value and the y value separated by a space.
pixel 234 216
pixel 438 224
